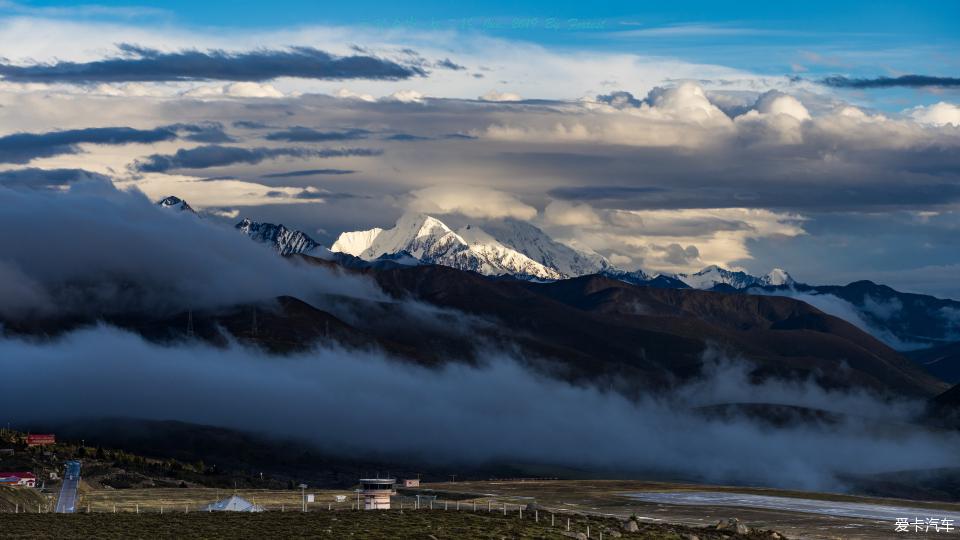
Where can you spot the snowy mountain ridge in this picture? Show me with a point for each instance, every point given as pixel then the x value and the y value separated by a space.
pixel 505 247
pixel 432 241
pixel 285 241
pixel 519 248
pixel 714 275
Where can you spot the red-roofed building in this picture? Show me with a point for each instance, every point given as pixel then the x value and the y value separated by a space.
pixel 41 439
pixel 26 479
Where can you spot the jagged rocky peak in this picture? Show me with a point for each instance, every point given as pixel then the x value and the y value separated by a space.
pixel 176 203
pixel 285 241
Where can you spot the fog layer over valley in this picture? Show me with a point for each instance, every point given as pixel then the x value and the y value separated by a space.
pixel 364 403
pixel 476 392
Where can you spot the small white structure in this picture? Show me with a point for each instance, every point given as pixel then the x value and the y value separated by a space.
pixel 25 479
pixel 377 492
pixel 233 504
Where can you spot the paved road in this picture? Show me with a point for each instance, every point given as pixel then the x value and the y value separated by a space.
pixel 811 506
pixel 67 501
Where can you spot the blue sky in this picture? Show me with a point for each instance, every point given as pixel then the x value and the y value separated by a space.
pixel 861 25
pixel 803 39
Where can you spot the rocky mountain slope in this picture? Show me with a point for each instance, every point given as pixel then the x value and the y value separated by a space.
pixel 284 240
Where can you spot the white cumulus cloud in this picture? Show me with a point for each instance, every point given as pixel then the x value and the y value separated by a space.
pixel 939 114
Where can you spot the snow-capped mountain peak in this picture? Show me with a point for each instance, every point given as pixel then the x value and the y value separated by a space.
pixel 778 277
pixel 713 275
pixel 510 248
pixel 521 249
pixel 284 240
pixel 418 234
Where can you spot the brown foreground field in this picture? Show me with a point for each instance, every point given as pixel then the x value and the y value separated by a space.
pixel 459 510
pixel 386 525
pixel 608 498
pixel 181 499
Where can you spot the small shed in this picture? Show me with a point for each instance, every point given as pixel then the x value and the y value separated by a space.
pixel 26 479
pixel 234 503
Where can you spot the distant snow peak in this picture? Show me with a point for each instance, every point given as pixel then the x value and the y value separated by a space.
pixel 285 241
pixel 778 277
pixel 495 248
pixel 175 203
pixel 713 276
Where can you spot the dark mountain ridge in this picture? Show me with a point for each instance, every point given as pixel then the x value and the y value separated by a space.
pixel 587 329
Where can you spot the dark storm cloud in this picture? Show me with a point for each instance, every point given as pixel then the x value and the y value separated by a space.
pixel 460 136
pixel 305 134
pixel 308 172
pixel 593 193
pixel 250 124
pixel 46 178
pixel 620 100
pixel 24 147
pixel 446 63
pixel 821 195
pixel 795 177
pixel 217 156
pixel 910 81
pixel 405 137
pixel 149 65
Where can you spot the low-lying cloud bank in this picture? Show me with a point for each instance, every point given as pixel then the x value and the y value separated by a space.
pixel 96 250
pixel 840 308
pixel 361 402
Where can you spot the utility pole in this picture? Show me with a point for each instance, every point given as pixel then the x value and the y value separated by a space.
pixel 303 495
pixel 190 323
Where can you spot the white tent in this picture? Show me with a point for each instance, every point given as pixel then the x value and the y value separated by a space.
pixel 233 503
